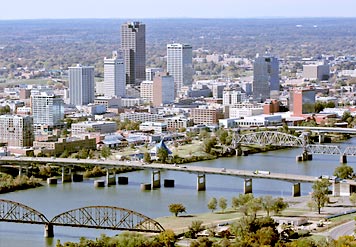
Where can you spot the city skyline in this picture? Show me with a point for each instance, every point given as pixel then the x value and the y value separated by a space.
pixel 40 9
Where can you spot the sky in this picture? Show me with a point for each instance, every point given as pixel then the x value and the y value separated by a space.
pixel 64 9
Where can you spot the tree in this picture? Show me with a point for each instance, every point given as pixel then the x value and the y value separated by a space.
pixel 162 154
pixel 320 193
pixel 267 203
pixel 105 152
pixel 208 144
pixel 279 205
pixel 195 227
pixel 222 203
pixel 167 237
pixel 147 157
pixel 176 208
pixel 212 204
pixel 353 198
pixel 344 171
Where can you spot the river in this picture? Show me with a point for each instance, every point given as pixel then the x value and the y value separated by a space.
pixel 55 199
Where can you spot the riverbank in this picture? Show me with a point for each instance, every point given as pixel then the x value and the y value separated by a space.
pixel 10 184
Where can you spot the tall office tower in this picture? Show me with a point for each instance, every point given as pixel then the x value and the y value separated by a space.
pixel 16 131
pixel 265 78
pixel 81 85
pixel 47 109
pixel 180 65
pixel 114 76
pixel 163 89
pixel 133 44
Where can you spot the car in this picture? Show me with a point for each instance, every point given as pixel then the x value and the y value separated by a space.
pixel 223 170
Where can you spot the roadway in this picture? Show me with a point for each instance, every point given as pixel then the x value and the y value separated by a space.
pixel 27 161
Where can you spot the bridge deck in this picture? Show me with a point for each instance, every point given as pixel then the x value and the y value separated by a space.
pixel 23 161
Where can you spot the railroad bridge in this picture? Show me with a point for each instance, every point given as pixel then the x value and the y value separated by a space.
pixel 274 138
pixel 99 217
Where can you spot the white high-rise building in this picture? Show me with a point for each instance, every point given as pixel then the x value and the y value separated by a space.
pixel 151 72
pixel 114 76
pixel 81 85
pixel 180 65
pixel 47 109
pixel 146 91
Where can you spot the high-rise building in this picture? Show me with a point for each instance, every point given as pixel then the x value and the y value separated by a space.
pixel 114 76
pixel 180 65
pixel 16 131
pixel 133 44
pixel 302 101
pixel 81 85
pixel 146 91
pixel 47 109
pixel 163 89
pixel 233 95
pixel 151 72
pixel 265 78
pixel 319 71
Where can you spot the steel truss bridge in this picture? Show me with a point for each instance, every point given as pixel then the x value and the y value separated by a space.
pixel 99 217
pixel 274 138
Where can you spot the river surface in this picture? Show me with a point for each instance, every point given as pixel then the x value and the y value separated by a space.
pixel 55 199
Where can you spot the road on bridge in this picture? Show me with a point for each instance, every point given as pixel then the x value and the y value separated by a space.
pixel 26 161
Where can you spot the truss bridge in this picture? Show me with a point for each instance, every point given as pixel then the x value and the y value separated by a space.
pixel 99 217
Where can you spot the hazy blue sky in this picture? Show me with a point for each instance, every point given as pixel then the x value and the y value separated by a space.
pixel 39 9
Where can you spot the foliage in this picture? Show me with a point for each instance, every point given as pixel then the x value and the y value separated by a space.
pixel 213 203
pixel 202 242
pixel 223 203
pixel 195 227
pixel 8 183
pixel 176 208
pixel 5 110
pixel 65 154
pixel 147 157
pixel 162 154
pixel 247 204
pixel 208 144
pixel 97 171
pixel 167 237
pixel 105 152
pixel 83 153
pixel 128 125
pixel 344 171
pixel 353 198
pixel 320 193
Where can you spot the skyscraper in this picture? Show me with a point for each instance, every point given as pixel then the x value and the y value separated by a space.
pixel 265 78
pixel 16 131
pixel 114 76
pixel 180 65
pixel 133 44
pixel 81 85
pixel 163 89
pixel 47 109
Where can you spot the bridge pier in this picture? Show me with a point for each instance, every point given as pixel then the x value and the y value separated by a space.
pixel 48 231
pixel 343 159
pixel 296 190
pixel 66 177
pixel 110 179
pixel 247 185
pixel 305 156
pixel 238 152
pixel 156 179
pixel 321 138
pixel 201 182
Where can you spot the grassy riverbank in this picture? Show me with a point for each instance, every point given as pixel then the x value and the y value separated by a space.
pixel 9 184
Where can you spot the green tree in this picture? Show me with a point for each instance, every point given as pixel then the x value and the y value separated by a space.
pixel 353 198
pixel 320 193
pixel 223 203
pixel 176 208
pixel 162 154
pixel 147 157
pixel 213 203
pixel 167 237
pixel 222 134
pixel 105 152
pixel 195 227
pixel 279 205
pixel 208 144
pixel 344 171
pixel 65 154
pixel 83 153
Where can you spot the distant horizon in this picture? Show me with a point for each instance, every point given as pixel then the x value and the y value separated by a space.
pixel 184 9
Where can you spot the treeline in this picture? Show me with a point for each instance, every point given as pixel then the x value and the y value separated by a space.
pixel 9 184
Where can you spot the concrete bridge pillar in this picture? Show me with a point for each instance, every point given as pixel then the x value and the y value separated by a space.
pixel 304 156
pixel 296 190
pixel 321 138
pixel 238 152
pixel 20 171
pixel 48 231
pixel 201 182
pixel 110 178
pixel 343 159
pixel 248 185
pixel 66 177
pixel 156 179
